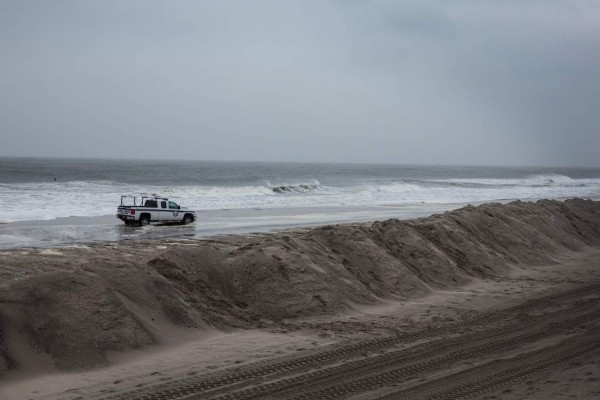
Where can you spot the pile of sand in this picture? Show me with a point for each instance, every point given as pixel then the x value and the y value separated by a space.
pixel 69 309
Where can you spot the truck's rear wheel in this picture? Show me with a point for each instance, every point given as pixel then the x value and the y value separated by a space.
pixel 145 220
pixel 187 219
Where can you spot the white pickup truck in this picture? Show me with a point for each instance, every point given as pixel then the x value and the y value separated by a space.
pixel 152 209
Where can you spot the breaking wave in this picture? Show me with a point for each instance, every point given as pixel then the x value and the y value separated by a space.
pixel 299 188
pixel 531 181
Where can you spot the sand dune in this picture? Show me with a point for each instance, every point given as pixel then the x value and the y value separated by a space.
pixel 67 309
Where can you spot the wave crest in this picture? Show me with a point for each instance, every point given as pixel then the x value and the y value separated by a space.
pixel 298 188
pixel 530 181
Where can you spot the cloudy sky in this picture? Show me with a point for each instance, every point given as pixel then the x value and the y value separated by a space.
pixel 513 82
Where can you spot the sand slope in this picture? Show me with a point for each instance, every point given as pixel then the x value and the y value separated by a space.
pixel 67 308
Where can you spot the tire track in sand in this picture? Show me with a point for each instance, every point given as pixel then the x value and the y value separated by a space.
pixel 236 380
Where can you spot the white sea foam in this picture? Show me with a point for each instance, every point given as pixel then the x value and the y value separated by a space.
pixel 42 201
pixel 533 181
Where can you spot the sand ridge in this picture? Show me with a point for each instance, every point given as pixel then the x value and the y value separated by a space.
pixel 71 309
pixel 539 300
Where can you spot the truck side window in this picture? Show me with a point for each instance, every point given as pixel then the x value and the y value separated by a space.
pixel 163 204
pixel 173 205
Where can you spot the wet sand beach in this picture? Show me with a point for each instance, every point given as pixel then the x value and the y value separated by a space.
pixel 493 301
pixel 66 231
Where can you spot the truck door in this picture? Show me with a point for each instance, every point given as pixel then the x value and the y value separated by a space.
pixel 151 207
pixel 163 211
pixel 174 213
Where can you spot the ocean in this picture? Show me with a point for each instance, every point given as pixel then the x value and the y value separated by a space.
pixel 43 189
pixel 251 196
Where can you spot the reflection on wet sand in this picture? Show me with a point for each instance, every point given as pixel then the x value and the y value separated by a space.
pixel 79 230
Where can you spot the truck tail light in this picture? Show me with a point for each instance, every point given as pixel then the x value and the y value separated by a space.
pixel 132 211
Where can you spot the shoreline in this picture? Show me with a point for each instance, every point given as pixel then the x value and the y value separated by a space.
pixel 77 307
pixel 66 231
pixel 76 230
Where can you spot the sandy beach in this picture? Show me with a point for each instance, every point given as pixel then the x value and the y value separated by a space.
pixel 493 301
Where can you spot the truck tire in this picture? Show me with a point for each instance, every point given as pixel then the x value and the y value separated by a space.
pixel 144 220
pixel 187 219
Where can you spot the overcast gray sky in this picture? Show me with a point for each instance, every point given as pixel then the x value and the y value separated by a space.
pixel 443 82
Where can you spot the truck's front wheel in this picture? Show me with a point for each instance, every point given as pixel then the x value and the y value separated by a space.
pixel 187 219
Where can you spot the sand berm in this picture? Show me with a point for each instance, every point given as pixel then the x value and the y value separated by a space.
pixel 74 305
